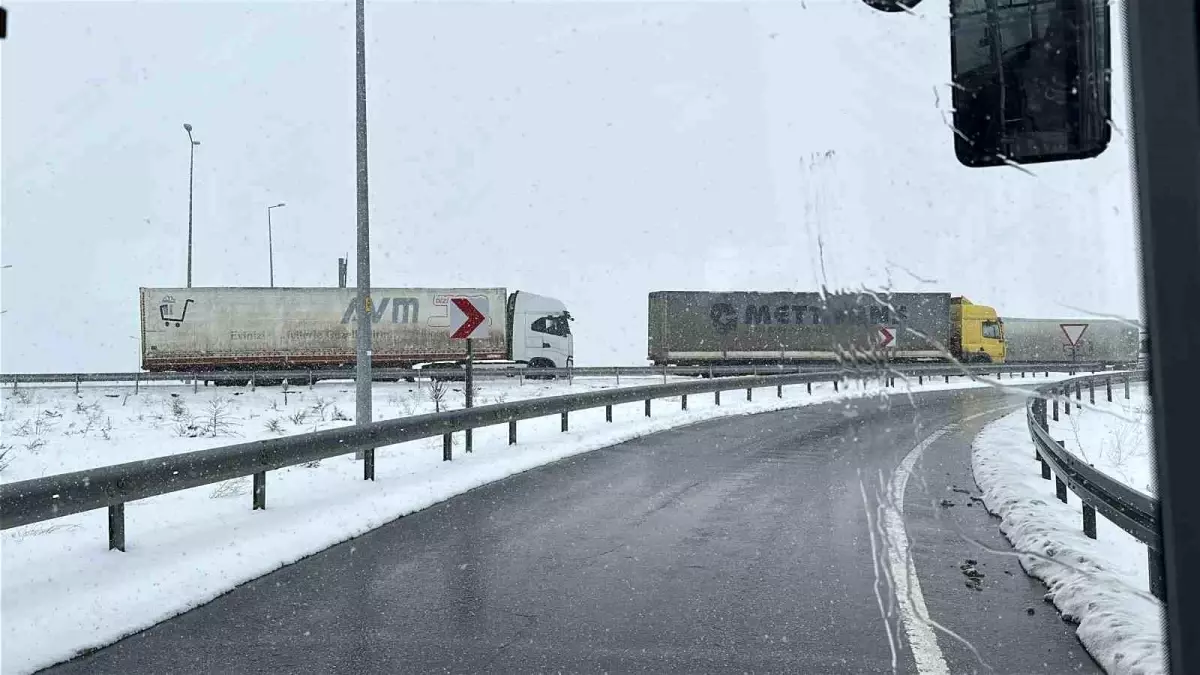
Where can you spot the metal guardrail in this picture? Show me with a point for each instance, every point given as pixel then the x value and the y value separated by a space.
pixel 298 377
pixel 1129 509
pixel 111 487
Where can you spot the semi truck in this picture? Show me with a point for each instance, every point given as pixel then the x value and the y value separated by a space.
pixel 690 328
pixel 199 330
pixel 1108 341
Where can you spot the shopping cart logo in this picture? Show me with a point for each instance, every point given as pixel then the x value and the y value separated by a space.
pixel 167 308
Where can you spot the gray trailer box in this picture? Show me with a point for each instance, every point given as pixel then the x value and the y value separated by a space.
pixel 1042 340
pixel 698 327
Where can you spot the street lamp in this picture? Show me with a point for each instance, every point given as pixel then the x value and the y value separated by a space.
pixel 192 143
pixel 271 243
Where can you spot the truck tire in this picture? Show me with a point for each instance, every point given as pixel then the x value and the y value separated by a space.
pixel 537 364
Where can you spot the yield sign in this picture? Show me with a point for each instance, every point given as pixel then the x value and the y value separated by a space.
pixel 468 318
pixel 886 336
pixel 1074 332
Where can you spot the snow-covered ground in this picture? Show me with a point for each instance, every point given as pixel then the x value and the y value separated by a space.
pixel 1113 437
pixel 60 583
pixel 1102 584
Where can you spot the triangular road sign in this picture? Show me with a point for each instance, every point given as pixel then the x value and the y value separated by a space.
pixel 1074 332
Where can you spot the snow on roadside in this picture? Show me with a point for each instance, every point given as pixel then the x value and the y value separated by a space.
pixel 1113 437
pixel 1102 584
pixel 60 583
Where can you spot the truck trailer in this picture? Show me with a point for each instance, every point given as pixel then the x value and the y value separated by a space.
pixel 690 328
pixel 198 330
pixel 1108 341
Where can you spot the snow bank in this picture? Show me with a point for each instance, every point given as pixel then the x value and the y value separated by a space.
pixel 1101 584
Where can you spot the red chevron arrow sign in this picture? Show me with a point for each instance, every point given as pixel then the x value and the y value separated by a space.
pixel 468 318
pixel 886 336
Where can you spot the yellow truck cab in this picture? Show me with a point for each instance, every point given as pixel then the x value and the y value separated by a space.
pixel 976 332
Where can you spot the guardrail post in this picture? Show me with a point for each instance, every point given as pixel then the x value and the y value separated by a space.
pixel 259 498
pixel 116 527
pixel 1078 395
pixel 1158 586
pixel 1045 467
pixel 1054 393
pixel 196 385
pixel 512 432
pixel 1108 388
pixel 310 379
pixel 468 440
pixel 565 424
pixel 253 384
pixel 1060 488
pixel 717 397
pixel 647 407
pixel 1126 387
pixel 76 385
pixel 809 386
pixel 920 379
pixel 1089 521
pixel 447 449
pixel 1092 391
pixel 136 382
pixel 619 375
pixel 749 393
pixel 664 374
pixel 1047 373
pixel 835 385
pixel 683 402
pixel 369 464
pixel 779 391
pixel 1066 400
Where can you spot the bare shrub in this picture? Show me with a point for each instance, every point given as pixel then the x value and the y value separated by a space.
pixel 218 418
pixel 437 393
pixel 230 488
pixel 274 425
pixel 299 416
pixel 338 416
pixel 321 406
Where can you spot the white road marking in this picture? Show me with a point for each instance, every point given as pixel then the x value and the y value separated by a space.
pixel 913 612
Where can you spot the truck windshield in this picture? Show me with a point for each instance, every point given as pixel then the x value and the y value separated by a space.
pixel 991 329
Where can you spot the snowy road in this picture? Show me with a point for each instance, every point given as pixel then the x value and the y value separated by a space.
pixel 760 543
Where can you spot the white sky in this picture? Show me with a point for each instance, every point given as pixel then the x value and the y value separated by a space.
pixel 589 151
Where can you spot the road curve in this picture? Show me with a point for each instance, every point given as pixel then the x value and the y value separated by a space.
pixel 745 544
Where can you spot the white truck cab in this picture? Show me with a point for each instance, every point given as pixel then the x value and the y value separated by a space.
pixel 539 331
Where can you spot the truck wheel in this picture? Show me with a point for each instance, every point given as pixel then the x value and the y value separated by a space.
pixel 535 364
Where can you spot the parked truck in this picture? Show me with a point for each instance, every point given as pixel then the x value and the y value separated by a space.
pixel 1108 341
pixel 198 330
pixel 690 328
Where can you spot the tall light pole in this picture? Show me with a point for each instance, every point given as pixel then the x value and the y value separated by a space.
pixel 362 391
pixel 271 243
pixel 192 143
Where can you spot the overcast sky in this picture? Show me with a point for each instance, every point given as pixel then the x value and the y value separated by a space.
pixel 589 151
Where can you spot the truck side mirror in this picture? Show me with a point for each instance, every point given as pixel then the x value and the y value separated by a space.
pixel 1032 81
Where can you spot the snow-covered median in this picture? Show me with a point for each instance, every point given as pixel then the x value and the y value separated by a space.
pixel 62 591
pixel 1112 437
pixel 1102 583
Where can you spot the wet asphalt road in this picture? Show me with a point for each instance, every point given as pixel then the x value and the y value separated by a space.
pixel 736 545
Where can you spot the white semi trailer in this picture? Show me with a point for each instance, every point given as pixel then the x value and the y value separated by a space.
pixel 199 330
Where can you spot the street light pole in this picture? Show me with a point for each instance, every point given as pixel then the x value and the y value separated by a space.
pixel 192 143
pixel 271 243
pixel 362 392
